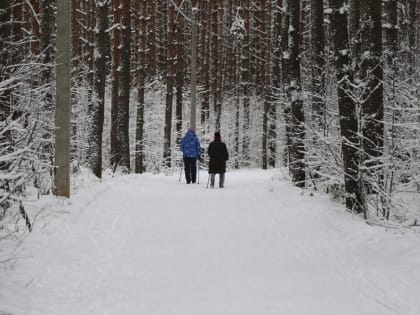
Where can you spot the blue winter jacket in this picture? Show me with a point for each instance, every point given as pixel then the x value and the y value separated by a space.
pixel 190 146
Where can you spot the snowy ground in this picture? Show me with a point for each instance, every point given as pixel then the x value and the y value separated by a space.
pixel 152 246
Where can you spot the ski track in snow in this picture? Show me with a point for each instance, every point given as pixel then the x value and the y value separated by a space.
pixel 146 244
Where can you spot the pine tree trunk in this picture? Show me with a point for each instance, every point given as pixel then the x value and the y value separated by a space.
pixel 91 43
pixel 219 66
pixel 391 31
pixel 355 36
pixel 285 56
pixel 141 47
pixel 76 30
pixel 297 154
pixel 215 58
pixel 276 78
pixel 245 64
pixel 123 155
pixel 179 28
pixel 346 105
pixel 46 31
pixel 262 47
pixel 268 123
pixel 169 87
pixel 205 75
pixel 272 115
pixel 47 21
pixel 116 59
pixel 162 14
pixel 34 42
pixel 151 54
pixel 5 14
pixel 372 97
pixel 318 62
pixel 96 108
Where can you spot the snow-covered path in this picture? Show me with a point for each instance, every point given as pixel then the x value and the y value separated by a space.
pixel 151 246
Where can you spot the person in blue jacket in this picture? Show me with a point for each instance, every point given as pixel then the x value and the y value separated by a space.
pixel 191 151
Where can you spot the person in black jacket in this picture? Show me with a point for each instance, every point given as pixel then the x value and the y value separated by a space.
pixel 218 156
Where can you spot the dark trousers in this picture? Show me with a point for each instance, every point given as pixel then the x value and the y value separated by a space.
pixel 221 180
pixel 190 168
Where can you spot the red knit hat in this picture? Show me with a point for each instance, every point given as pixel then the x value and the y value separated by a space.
pixel 217 136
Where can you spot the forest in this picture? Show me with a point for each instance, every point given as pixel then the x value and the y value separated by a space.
pixel 328 90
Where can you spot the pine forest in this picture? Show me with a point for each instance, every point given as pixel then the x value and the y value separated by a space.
pixel 325 89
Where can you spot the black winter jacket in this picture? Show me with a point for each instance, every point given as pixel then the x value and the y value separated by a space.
pixel 218 156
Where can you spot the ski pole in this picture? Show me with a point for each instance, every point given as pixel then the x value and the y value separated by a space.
pixel 180 173
pixel 198 171
pixel 208 181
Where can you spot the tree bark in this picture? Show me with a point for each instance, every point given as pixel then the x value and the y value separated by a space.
pixel 245 65
pixel 123 155
pixel 205 75
pixel 97 106
pixel 391 31
pixel 116 59
pixel 318 62
pixel 141 47
pixel 179 29
pixel 346 105
pixel 297 154
pixel 169 87
pixel 372 75
pixel 284 75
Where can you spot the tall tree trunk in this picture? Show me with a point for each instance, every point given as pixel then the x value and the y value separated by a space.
pixel 391 31
pixel 124 84
pixel 141 48
pixel 346 105
pixel 6 145
pixel 76 30
pixel 262 47
pixel 5 14
pixel 46 31
pixel 285 59
pixel 245 66
pixel 35 27
pixel 372 97
pixel 116 59
pixel 151 51
pixel 272 112
pixel 162 13
pixel 169 87
pixel 205 70
pixel 215 58
pixel 297 154
pixel 219 66
pixel 97 105
pixel 179 28
pixel 276 78
pixel 318 62
pixel 269 131
pixel 19 21
pixel 355 36
pixel 91 42
pixel 47 22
